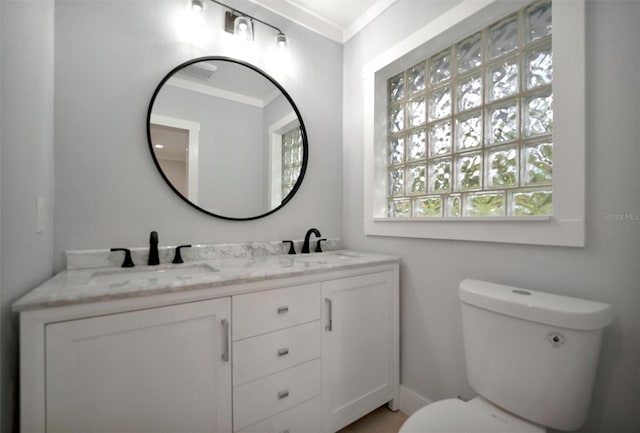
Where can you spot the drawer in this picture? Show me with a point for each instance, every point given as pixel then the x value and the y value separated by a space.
pixel 304 418
pixel 262 312
pixel 260 356
pixel 258 400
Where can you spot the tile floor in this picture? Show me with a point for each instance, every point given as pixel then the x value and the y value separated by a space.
pixel 381 420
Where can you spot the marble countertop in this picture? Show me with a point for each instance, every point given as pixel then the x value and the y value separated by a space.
pixel 78 286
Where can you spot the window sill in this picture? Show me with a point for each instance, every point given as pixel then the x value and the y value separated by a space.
pixel 519 230
pixel 465 219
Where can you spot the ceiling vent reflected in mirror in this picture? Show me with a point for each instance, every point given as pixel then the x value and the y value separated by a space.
pixel 202 71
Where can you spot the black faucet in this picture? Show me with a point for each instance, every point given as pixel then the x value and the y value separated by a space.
pixel 305 246
pixel 153 249
pixel 177 258
pixel 127 263
pixel 292 249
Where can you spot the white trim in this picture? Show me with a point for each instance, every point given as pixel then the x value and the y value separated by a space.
pixel 411 401
pixel 303 17
pixel 458 219
pixel 272 97
pixel 366 18
pixel 181 83
pixel 194 143
pixel 567 226
pixel 316 23
pixel 430 31
pixel 276 130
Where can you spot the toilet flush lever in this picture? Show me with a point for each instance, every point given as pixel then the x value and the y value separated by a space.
pixel 556 339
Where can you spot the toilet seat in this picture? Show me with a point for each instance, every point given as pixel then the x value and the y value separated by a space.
pixel 456 416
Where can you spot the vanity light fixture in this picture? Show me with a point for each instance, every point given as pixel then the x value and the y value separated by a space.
pixel 241 24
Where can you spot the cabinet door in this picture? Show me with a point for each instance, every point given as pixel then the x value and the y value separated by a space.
pixel 157 370
pixel 360 343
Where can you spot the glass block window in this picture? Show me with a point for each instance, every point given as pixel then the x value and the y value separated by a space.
pixel 469 129
pixel 291 159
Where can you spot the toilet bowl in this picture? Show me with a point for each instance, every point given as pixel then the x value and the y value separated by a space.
pixel 531 356
pixel 475 416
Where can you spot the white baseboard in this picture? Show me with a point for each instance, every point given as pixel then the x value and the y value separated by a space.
pixel 410 401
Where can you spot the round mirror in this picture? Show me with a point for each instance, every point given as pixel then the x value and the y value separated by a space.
pixel 227 138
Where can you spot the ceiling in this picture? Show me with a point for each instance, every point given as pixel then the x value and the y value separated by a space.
pixel 338 20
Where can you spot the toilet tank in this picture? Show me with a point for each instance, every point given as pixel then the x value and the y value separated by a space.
pixel 532 353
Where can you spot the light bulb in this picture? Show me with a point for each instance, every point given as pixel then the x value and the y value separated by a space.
pixel 281 40
pixel 197 5
pixel 242 28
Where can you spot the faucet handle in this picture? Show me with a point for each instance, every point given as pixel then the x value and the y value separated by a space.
pixel 318 247
pixel 127 263
pixel 178 257
pixel 292 249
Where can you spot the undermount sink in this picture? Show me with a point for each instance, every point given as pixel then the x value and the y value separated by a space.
pixel 166 273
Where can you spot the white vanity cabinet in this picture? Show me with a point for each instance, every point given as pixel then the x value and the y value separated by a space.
pixel 306 353
pixel 155 370
pixel 277 360
pixel 359 346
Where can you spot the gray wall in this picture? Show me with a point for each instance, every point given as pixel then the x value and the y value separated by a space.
pixel 26 134
pixel 110 56
pixel 606 270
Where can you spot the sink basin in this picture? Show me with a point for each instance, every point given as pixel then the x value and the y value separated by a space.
pixel 170 273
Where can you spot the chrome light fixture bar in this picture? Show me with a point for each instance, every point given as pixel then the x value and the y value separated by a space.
pixel 241 24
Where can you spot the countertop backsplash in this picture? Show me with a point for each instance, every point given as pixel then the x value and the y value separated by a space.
pixel 105 258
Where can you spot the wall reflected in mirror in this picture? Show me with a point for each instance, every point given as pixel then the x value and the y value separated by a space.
pixel 227 138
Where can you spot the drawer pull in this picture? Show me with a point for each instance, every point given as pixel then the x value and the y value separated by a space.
pixel 227 339
pixel 284 351
pixel 283 394
pixel 285 431
pixel 329 325
pixel 283 310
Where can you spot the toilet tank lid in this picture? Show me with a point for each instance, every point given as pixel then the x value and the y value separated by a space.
pixel 541 307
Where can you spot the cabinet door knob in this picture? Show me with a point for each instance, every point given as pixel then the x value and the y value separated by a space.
pixel 283 310
pixel 283 351
pixel 282 394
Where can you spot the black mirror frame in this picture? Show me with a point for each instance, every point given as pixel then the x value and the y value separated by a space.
pixel 305 144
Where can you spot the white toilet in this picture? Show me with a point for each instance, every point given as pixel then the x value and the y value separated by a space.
pixel 530 355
